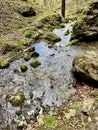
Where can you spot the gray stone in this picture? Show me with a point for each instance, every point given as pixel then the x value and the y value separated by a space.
pixel 85 67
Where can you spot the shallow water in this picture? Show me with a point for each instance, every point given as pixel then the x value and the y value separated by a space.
pixel 51 82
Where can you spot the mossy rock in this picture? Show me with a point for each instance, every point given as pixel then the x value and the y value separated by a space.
pixel 35 63
pixel 62 25
pixel 27 56
pixel 23 67
pixel 67 32
pixel 85 29
pixel 4 63
pixel 26 11
pixel 35 54
pixel 72 42
pixel 52 19
pixel 31 94
pixel 85 67
pixel 52 37
pixel 16 99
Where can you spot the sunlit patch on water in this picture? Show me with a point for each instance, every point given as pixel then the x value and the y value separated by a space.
pixel 60 32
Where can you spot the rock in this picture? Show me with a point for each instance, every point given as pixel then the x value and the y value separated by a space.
pixel 36 112
pixel 86 29
pixel 35 63
pixel 23 67
pixel 46 108
pixel 16 99
pixel 40 119
pixel 52 38
pixel 87 105
pixel 71 113
pixel 67 32
pixel 26 11
pixel 85 67
pixel 35 54
pixel 31 95
pixel 4 63
pixel 21 124
pixel 27 56
pixel 51 19
pixel 62 25
pixel 29 52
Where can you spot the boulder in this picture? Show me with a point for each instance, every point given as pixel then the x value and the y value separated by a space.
pixel 27 11
pixel 4 63
pixel 85 67
pixel 35 63
pixel 23 67
pixel 16 99
pixel 86 29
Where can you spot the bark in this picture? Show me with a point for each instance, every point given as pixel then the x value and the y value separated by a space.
pixel 63 8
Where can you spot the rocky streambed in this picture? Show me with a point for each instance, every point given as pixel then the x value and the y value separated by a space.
pixel 50 84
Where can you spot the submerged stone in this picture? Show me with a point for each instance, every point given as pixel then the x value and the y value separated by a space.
pixel 35 63
pixel 67 32
pixel 23 67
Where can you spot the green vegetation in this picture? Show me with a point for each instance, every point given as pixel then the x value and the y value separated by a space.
pixel 31 95
pixel 23 67
pixel 28 33
pixel 50 121
pixel 72 42
pixel 67 32
pixel 16 99
pixel 52 38
pixel 35 63
pixel 4 63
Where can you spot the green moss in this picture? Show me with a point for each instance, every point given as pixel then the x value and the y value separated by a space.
pixel 62 25
pixel 72 42
pixel 50 121
pixel 28 33
pixel 4 63
pixel 23 67
pixel 31 95
pixel 16 99
pixel 52 38
pixel 67 32
pixel 20 43
pixel 35 63
pixel 27 56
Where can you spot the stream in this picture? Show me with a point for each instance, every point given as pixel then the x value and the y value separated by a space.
pixel 51 82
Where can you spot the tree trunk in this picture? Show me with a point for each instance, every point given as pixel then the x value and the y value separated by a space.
pixel 63 8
